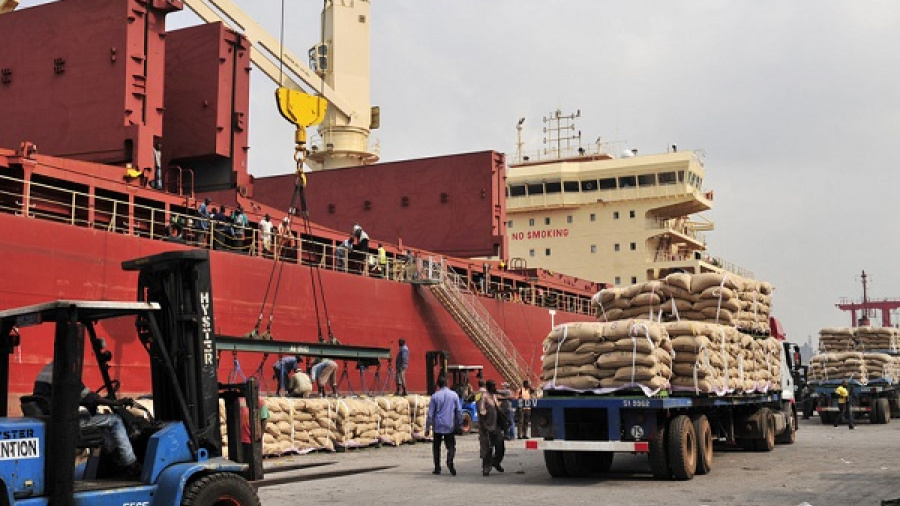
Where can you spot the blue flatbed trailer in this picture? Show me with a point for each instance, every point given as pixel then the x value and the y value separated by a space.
pixel 878 400
pixel 580 433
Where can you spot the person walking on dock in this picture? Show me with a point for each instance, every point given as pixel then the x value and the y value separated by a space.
pixel 490 433
pixel 443 419
pixel 845 408
pixel 402 366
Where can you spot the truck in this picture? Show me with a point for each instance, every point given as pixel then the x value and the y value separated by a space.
pixel 580 433
pixel 877 400
pixel 180 446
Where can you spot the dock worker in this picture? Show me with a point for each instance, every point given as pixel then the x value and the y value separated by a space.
pixel 323 372
pixel 844 405
pixel 282 368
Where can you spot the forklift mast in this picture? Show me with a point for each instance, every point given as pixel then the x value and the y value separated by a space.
pixel 184 354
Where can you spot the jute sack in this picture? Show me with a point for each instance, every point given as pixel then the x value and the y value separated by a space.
pixel 618 359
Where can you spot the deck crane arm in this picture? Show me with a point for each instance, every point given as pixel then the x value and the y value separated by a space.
pixel 263 43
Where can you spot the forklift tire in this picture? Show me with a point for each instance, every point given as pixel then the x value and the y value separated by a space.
pixel 704 444
pixel 553 459
pixel 466 426
pixel 220 489
pixel 682 446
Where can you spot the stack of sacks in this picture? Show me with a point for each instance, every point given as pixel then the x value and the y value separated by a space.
pixel 877 338
pixel 755 306
pixel 702 360
pixel 882 366
pixel 641 356
pixel 357 423
pixel 418 411
pixel 396 428
pixel 771 366
pixel 708 297
pixel 298 425
pixel 635 301
pixel 838 366
pixel 837 339
pixel 587 356
pixel 570 351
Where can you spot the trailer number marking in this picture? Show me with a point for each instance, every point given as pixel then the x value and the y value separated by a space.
pixel 19 449
pixel 636 403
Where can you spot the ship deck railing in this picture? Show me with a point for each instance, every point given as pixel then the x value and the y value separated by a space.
pixel 119 212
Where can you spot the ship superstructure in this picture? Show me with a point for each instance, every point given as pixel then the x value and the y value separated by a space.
pixel 623 220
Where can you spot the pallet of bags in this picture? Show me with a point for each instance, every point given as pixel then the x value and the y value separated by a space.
pixel 755 306
pixel 396 427
pixel 418 411
pixel 837 339
pixel 700 359
pixel 882 366
pixel 569 353
pixel 721 298
pixel 642 300
pixel 357 423
pixel 641 357
pixel 607 356
pixel 877 338
pixel 838 366
pixel 298 425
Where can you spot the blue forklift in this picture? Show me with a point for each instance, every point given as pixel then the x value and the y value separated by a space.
pixel 459 379
pixel 179 447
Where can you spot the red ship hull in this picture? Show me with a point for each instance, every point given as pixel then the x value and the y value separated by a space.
pixel 45 260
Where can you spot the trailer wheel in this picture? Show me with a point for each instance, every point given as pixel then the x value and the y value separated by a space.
pixel 767 427
pixel 220 489
pixel 601 462
pixel 578 464
pixel 881 411
pixel 553 459
pixel 466 426
pixel 682 446
pixel 659 460
pixel 790 431
pixel 704 444
pixel 827 417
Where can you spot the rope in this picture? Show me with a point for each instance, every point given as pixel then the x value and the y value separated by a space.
pixel 558 346
pixel 235 370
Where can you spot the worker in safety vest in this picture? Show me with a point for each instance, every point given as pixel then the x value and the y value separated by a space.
pixel 844 405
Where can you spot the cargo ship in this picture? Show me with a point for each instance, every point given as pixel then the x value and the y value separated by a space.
pixel 116 131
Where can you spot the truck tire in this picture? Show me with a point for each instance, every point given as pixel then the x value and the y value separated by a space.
pixel 553 459
pixel 827 417
pixel 682 448
pixel 466 426
pixel 767 426
pixel 704 444
pixel 895 406
pixel 578 464
pixel 220 489
pixel 790 431
pixel 659 459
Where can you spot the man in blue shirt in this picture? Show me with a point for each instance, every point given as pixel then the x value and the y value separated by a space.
pixel 444 416
pixel 402 366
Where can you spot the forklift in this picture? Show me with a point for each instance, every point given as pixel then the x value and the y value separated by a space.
pixel 458 379
pixel 179 447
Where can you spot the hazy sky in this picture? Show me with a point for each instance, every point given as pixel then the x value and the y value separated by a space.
pixel 794 103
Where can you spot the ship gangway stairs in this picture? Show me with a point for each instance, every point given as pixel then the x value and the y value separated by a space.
pixel 453 293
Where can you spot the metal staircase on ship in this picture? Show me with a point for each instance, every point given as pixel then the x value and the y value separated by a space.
pixel 453 293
